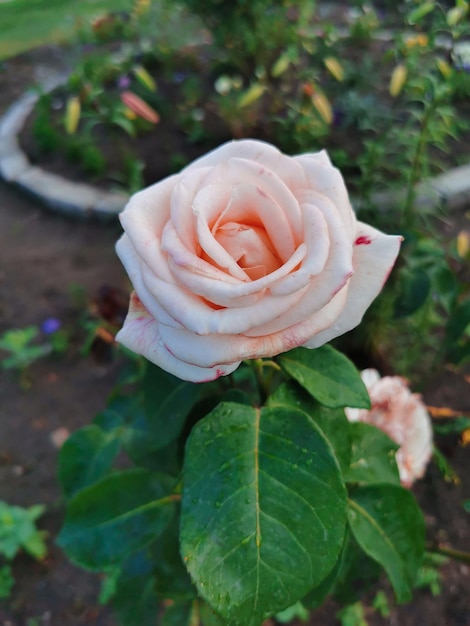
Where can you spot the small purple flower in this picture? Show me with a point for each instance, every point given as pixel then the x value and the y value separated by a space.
pixel 50 325
pixel 124 82
pixel 179 77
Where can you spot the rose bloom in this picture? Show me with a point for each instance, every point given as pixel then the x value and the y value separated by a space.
pixel 246 253
pixel 403 417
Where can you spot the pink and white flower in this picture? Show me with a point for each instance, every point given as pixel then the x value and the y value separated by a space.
pixel 246 253
pixel 402 415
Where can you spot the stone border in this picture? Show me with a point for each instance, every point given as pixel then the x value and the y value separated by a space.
pixel 451 189
pixel 57 193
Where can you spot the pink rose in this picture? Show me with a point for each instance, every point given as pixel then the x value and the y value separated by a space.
pixel 403 417
pixel 246 253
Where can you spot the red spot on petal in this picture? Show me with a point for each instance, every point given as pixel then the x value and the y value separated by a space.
pixel 363 241
pixel 136 301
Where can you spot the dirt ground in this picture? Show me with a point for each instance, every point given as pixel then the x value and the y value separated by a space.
pixel 43 258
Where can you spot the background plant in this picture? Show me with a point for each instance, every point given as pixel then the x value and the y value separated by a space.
pixel 18 532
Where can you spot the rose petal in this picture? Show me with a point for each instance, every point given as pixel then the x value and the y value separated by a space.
pixel 136 268
pixel 372 263
pixel 227 293
pixel 144 225
pixel 140 334
pixel 328 181
pixel 206 351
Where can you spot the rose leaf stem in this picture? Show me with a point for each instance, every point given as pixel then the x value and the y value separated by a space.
pixel 451 553
pixel 263 387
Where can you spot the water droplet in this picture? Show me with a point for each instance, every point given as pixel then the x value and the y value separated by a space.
pixel 205 428
pixel 304 450
pixel 293 466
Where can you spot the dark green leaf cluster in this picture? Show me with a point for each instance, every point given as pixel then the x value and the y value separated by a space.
pixel 251 33
pixel 242 500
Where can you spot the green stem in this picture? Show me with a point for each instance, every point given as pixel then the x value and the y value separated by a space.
pixel 408 216
pixel 263 388
pixel 457 555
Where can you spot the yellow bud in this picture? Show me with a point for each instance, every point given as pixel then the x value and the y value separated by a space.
pixel 397 80
pixel 72 115
pixel 281 65
pixel 454 16
pixel 417 40
pixel 129 114
pixel 463 244
pixel 253 93
pixel 465 440
pixel 322 105
pixel 144 78
pixel 444 68
pixel 334 67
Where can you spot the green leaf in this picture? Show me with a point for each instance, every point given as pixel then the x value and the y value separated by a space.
pixel 414 287
pixel 6 581
pixel 318 595
pixel 172 580
pixel 35 545
pixel 297 610
pixel 17 530
pixel 86 456
pixel 458 332
pixel 421 11
pixel 178 615
pixel 168 401
pixel 17 339
pixel 373 456
pixel 208 617
pixel 139 441
pixel 135 600
pixel 388 525
pixel 353 615
pixel 353 575
pixel 327 375
pixel 449 427
pixel 444 467
pixel 263 509
pixel 111 519
pixel 466 505
pixel 332 422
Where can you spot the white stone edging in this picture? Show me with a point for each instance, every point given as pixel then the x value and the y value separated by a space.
pixel 62 195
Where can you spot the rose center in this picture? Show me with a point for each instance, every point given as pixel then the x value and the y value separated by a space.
pixel 250 247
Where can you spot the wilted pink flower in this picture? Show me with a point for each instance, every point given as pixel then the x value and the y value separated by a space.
pixel 403 417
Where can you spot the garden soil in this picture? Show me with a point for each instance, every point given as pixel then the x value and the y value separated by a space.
pixel 45 261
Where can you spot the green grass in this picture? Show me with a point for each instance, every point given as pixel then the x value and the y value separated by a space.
pixel 25 24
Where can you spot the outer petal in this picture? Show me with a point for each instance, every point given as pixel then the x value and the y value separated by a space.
pixel 264 154
pixel 325 179
pixel 373 258
pixel 207 351
pixel 140 334
pixel 143 220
